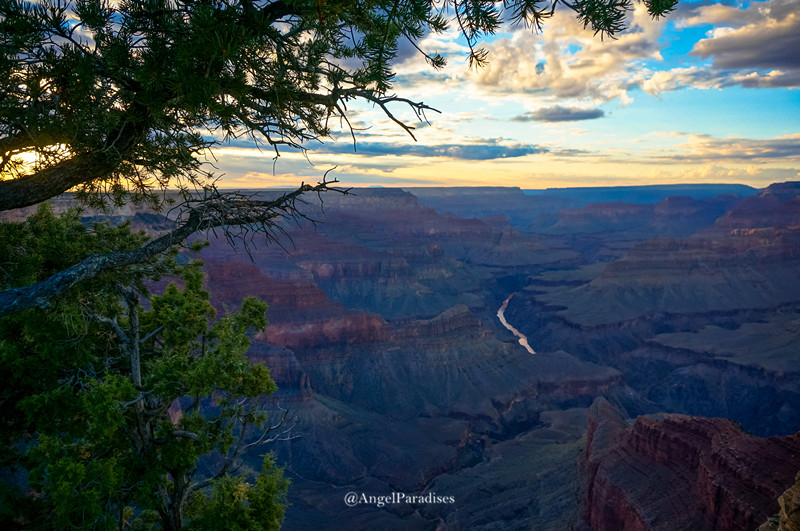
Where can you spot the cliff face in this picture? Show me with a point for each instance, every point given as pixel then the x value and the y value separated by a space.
pixel 775 206
pixel 681 472
pixel 754 268
pixel 789 517
pixel 749 258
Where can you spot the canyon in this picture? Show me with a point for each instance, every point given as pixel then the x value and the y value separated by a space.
pixel 388 347
pixel 659 389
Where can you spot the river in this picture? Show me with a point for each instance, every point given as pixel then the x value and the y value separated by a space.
pixel 501 315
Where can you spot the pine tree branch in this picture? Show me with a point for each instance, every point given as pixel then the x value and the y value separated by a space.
pixel 54 180
pixel 186 434
pixel 228 210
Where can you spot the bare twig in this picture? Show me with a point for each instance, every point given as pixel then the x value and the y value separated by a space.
pixel 215 210
pixel 240 448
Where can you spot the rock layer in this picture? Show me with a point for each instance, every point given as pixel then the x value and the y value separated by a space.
pixel 681 472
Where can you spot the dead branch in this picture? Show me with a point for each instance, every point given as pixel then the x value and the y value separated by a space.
pixel 215 209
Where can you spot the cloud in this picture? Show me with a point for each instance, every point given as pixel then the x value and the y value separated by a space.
pixel 766 44
pixel 692 76
pixel 558 113
pixel 567 61
pixel 718 173
pixel 717 13
pixel 704 148
pixel 414 73
pixel 771 79
pixel 709 78
pixel 753 47
pixel 480 149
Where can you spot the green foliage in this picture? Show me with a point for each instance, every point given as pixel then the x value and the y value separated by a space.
pixel 607 17
pixel 90 445
pixel 240 505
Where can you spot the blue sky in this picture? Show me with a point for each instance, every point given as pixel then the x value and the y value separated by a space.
pixel 711 94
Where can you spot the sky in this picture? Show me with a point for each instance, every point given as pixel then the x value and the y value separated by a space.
pixel 709 94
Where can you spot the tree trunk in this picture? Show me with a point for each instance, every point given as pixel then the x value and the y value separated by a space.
pixel 171 510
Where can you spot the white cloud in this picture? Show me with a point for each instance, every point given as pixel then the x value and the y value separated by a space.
pixel 718 14
pixel 769 43
pixel 705 148
pixel 754 46
pixel 673 79
pixel 569 62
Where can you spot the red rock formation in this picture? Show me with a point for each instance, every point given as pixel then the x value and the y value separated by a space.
pixel 302 315
pixel 352 328
pixel 682 472
pixel 455 321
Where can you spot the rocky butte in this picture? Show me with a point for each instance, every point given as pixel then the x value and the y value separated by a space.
pixel 664 392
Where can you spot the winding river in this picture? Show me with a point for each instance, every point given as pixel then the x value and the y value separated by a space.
pixel 501 315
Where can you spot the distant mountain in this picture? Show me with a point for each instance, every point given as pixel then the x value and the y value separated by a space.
pixel 777 206
pixel 517 207
pixel 645 194
pixel 677 216
pixel 749 258
pixel 635 211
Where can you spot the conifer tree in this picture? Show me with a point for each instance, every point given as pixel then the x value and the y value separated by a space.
pixel 112 395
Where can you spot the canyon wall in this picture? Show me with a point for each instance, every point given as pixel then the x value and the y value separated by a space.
pixel 681 472
pixel 645 318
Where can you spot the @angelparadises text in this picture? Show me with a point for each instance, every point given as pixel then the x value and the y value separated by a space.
pixel 351 499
